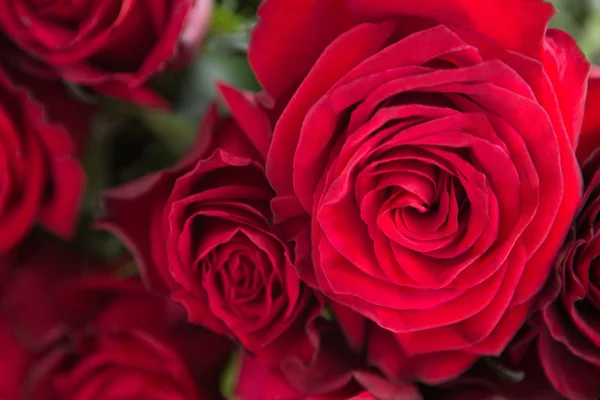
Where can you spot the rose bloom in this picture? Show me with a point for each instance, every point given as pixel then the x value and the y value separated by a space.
pixel 202 233
pixel 41 180
pixel 65 337
pixel 423 161
pixel 569 341
pixel 113 46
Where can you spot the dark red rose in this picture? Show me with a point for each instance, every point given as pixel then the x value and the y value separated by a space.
pixel 569 340
pixel 99 338
pixel 423 160
pixel 41 180
pixel 202 232
pixel 113 46
pixel 589 140
pixel 259 381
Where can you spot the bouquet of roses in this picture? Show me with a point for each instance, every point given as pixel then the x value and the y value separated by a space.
pixel 318 199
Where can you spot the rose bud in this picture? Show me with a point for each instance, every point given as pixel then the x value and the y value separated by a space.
pixel 569 339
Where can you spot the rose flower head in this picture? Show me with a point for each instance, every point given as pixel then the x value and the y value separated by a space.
pixel 423 160
pixel 202 232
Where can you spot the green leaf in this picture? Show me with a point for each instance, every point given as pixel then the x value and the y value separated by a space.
pixel 230 375
pixel 128 270
pixel 225 19
pixel 81 93
pixel 176 133
pixel 95 161
pixel 327 314
pixel 503 371
pixel 234 42
pixel 590 38
pixel 199 87
pixel 572 16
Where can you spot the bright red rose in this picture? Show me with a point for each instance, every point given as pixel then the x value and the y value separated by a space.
pixel 202 232
pixel 98 338
pixel 41 180
pixel 423 160
pixel 113 46
pixel 569 341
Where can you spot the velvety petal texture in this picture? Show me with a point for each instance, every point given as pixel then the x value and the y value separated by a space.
pixel 569 341
pixel 99 338
pixel 41 180
pixel 202 233
pixel 113 46
pixel 423 162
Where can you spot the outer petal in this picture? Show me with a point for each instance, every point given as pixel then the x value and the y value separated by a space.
pixel 129 212
pixel 345 53
pixel 518 25
pixel 568 70
pixel 569 374
pixel 590 133
pixel 382 389
pixel 251 118
pixel 194 31
pixel 289 37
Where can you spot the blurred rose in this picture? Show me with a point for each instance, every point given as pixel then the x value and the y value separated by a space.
pixel 99 338
pixel 112 46
pixel 423 161
pixel 41 135
pixel 202 232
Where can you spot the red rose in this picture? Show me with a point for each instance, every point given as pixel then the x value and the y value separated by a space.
pixel 113 46
pixel 202 233
pixel 569 341
pixel 98 338
pixel 40 177
pixel 423 160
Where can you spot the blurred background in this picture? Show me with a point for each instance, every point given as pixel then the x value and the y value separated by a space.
pixel 581 18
